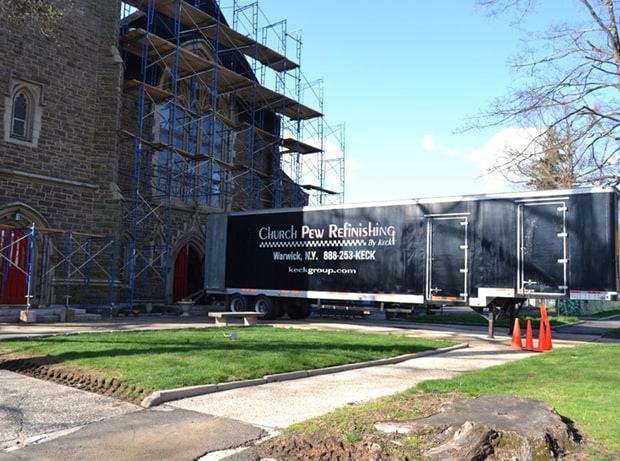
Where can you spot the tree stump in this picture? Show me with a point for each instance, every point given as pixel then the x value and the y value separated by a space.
pixel 505 426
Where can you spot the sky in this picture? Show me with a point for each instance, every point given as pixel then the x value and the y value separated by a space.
pixel 404 77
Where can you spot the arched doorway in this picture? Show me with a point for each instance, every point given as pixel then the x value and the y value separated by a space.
pixel 14 266
pixel 188 279
pixel 19 256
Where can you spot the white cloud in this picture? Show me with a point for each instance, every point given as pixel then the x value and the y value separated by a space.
pixel 427 142
pixel 493 153
pixel 351 166
pixel 429 145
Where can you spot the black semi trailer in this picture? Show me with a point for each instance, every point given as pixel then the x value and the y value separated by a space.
pixel 491 251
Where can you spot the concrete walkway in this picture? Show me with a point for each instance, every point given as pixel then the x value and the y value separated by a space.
pixel 79 425
pixel 277 405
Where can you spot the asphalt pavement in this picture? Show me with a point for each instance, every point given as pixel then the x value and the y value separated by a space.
pixel 46 421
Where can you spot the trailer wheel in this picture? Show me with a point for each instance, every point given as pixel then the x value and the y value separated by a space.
pixel 237 303
pixel 267 306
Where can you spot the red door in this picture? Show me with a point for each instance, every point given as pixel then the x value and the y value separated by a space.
pixel 13 266
pixel 187 273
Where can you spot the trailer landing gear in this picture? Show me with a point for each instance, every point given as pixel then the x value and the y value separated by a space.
pixel 499 308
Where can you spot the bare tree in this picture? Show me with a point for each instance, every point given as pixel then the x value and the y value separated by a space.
pixel 571 100
pixel 42 15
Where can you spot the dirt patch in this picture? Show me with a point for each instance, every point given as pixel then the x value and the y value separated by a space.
pixel 400 429
pixel 349 433
pixel 49 369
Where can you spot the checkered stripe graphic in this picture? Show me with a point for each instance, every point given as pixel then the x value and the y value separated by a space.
pixel 312 243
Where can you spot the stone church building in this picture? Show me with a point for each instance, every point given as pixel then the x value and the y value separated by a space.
pixel 122 129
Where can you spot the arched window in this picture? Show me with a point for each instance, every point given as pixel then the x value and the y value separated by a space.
pixel 22 119
pixel 22 115
pixel 191 126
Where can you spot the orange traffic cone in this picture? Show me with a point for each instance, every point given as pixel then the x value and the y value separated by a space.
pixel 544 336
pixel 548 342
pixel 529 340
pixel 543 313
pixel 541 337
pixel 516 336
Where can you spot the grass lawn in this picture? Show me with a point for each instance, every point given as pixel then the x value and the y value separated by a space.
pixel 473 318
pixel 157 360
pixel 581 383
pixel 477 319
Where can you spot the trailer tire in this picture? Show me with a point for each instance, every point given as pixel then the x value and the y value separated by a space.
pixel 267 306
pixel 299 311
pixel 237 303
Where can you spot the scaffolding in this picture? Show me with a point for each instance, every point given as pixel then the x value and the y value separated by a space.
pixel 71 268
pixel 220 123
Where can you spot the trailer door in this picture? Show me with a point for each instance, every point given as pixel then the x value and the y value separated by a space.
pixel 446 266
pixel 542 248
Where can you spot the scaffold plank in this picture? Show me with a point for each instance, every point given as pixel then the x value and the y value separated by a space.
pixel 290 144
pixel 166 53
pixel 160 50
pixel 162 146
pixel 295 146
pixel 155 94
pixel 318 188
pixel 225 120
pixel 194 18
